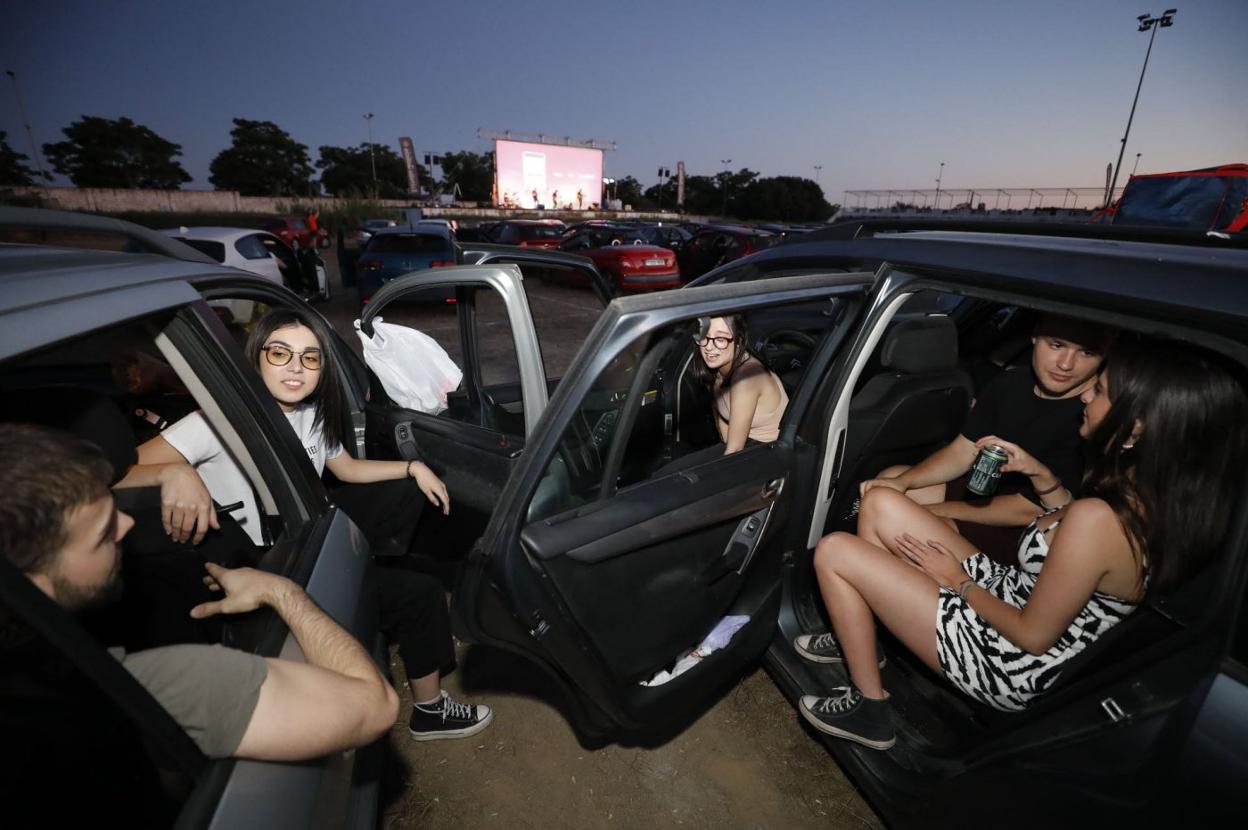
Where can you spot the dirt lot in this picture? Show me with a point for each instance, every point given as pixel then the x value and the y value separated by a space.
pixel 749 762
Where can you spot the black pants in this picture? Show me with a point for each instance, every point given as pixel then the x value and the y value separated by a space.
pixel 412 614
pixel 387 512
pixel 411 607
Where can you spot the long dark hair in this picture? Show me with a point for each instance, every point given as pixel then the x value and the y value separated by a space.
pixel 1172 488
pixel 331 409
pixel 702 373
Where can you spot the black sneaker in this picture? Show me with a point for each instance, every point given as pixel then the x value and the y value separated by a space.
pixel 823 648
pixel 851 716
pixel 447 719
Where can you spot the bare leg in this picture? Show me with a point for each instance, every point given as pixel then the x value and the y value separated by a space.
pixel 427 689
pixel 859 581
pixel 886 514
pixel 932 494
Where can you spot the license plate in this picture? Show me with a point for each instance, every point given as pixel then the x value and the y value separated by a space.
pixel 655 263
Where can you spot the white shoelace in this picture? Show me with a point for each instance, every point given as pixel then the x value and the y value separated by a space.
pixel 453 709
pixel 824 641
pixel 837 704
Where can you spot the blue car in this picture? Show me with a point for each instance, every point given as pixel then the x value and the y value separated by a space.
pixel 393 252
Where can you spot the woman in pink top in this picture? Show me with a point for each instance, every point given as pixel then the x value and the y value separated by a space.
pixel 749 398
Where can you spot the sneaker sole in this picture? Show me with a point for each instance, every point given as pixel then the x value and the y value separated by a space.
pixel 448 734
pixel 821 658
pixel 840 733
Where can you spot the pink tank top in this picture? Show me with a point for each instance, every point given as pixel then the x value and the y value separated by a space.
pixel 766 424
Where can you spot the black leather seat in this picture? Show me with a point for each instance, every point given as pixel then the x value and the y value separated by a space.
pixel 914 406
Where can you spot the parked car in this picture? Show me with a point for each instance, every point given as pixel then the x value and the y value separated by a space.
pixel 392 252
pixel 589 554
pixel 672 237
pixel 295 229
pixel 714 245
pixel 625 257
pixel 528 233
pixel 70 318
pixel 262 254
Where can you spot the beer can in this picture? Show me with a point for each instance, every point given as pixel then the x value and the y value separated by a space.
pixel 986 471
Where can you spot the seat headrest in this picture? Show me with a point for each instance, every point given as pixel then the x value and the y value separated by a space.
pixel 926 344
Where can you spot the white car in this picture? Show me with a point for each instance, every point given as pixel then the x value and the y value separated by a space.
pixel 258 252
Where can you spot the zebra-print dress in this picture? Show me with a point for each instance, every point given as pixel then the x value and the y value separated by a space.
pixel 987 666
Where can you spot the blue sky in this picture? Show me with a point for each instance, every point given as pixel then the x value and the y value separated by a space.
pixel 1007 93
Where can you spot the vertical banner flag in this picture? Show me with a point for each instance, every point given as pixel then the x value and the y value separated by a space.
pixel 409 159
pixel 680 183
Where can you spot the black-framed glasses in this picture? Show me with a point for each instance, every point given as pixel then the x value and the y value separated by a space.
pixel 279 355
pixel 720 342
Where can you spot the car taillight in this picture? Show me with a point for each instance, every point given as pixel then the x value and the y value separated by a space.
pixel 523 244
pixel 441 263
pixel 370 264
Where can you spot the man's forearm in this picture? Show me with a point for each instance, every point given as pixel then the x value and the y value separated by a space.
pixel 1002 511
pixel 942 466
pixel 324 642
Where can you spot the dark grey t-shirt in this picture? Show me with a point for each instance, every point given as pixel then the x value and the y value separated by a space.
pixel 211 691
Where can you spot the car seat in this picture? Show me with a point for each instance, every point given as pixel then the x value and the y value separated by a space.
pixel 911 408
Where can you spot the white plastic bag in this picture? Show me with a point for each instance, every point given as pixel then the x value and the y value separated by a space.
pixel 415 371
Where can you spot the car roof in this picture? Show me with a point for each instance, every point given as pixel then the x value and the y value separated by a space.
pixel 743 229
pixel 216 233
pixel 441 231
pixel 1205 281
pixel 532 222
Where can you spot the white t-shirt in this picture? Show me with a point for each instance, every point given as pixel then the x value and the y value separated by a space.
pixel 312 438
pixel 195 441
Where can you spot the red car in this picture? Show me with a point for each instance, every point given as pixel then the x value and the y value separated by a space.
pixel 295 229
pixel 528 233
pixel 624 257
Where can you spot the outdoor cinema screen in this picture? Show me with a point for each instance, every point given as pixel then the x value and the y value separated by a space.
pixel 549 175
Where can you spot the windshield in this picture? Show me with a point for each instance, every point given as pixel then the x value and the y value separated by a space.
pixel 407 243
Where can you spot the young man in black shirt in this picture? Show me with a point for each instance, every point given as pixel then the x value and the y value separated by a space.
pixel 1036 407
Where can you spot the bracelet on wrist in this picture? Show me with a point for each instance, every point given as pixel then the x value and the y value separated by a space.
pixel 1048 490
pixel 408 473
pixel 964 586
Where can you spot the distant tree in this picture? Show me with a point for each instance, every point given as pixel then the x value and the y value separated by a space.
pixel 348 171
pixel 663 195
pixel 99 152
pixel 13 169
pixel 262 161
pixel 473 172
pixel 628 191
pixel 782 199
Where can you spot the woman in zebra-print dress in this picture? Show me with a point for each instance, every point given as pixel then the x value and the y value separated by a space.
pixel 1164 425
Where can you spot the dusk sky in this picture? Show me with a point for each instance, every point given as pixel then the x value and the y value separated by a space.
pixel 1008 93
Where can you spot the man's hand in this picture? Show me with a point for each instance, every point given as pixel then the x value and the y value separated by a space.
pixel 246 589
pixel 891 483
pixel 432 486
pixel 185 506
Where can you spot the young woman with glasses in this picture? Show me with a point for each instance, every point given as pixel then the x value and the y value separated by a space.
pixel 300 374
pixel 748 398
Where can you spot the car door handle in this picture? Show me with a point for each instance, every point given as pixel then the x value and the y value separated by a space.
pixel 772 489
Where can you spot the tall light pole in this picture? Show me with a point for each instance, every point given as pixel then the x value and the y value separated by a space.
pixel 818 167
pixel 940 174
pixel 372 158
pixel 727 173
pixel 21 107
pixel 1136 166
pixel 1146 23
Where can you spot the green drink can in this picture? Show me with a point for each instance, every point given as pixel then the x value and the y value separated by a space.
pixel 987 470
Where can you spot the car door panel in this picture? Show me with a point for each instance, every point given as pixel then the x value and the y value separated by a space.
pixel 609 592
pixel 671 547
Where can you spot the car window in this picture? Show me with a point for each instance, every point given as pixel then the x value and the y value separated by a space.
pixel 298 224
pixel 407 243
pixel 216 250
pixel 250 247
pixel 646 416
pixel 541 231
pixel 762 242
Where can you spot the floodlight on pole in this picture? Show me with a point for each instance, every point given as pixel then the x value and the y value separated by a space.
pixel 727 173
pixel 1147 23
pixel 818 167
pixel 372 158
pixel 1136 166
pixel 940 174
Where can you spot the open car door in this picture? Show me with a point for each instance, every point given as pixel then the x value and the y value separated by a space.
pixel 612 554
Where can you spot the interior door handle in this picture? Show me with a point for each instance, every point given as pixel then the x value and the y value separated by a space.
pixel 772 489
